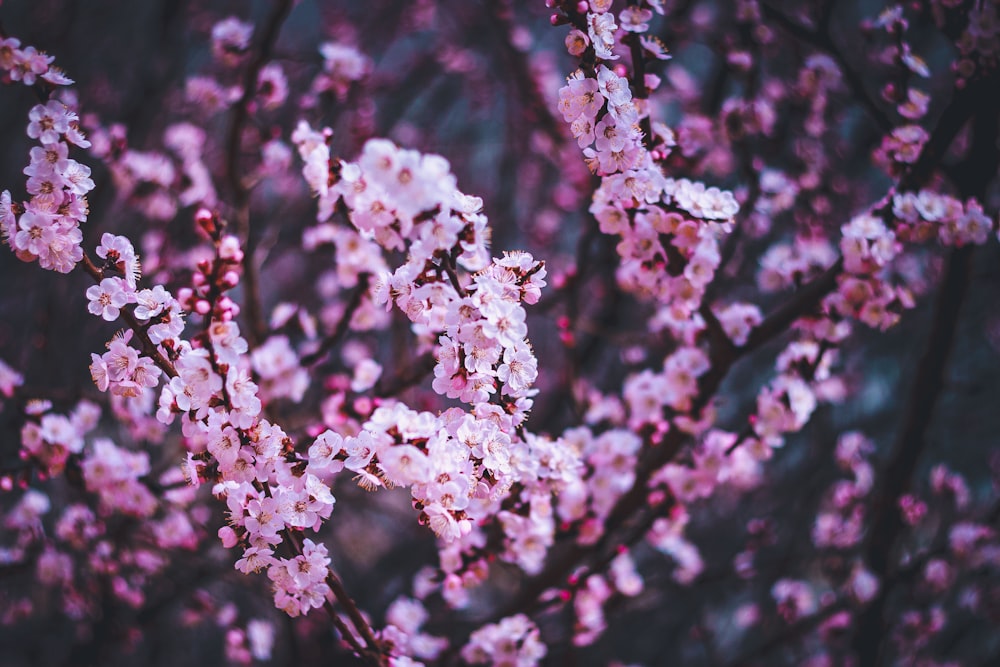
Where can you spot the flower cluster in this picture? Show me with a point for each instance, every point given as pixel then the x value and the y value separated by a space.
pixel 462 468
pixel 77 554
pixel 343 65
pixel 840 524
pixel 669 228
pixel 48 439
pixel 113 473
pixel 786 404
pixel 231 39
pixel 512 641
pixel 595 591
pixel 46 228
pixel 211 388
pixel 921 216
pixel 404 620
pixel 27 64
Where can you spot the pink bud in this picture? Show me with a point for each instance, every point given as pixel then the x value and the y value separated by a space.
pixel 229 248
pixel 202 307
pixel 205 221
pixel 228 537
pixel 889 92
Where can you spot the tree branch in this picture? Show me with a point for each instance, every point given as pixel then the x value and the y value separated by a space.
pixel 241 195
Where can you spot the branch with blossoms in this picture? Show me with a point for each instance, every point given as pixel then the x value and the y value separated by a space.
pixel 219 413
pixel 583 103
pixel 317 330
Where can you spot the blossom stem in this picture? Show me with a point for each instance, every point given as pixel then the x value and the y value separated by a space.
pixel 148 347
pixel 372 653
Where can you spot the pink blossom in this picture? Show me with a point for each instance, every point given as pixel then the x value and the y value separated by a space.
pixel 108 298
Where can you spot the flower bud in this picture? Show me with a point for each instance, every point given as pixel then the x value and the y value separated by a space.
pixel 230 279
pixel 204 220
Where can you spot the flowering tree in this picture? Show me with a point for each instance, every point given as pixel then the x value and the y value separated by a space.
pixel 702 377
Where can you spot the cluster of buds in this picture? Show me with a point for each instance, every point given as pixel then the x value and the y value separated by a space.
pixel 214 277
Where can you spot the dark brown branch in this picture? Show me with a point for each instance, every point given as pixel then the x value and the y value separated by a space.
pixel 802 303
pixel 451 270
pixel 794 631
pixel 886 523
pixel 241 195
pixel 518 66
pixel 371 651
pixel 639 89
pixel 148 347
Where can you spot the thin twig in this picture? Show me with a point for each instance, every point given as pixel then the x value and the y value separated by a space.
pixel 241 195
pixel 148 347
